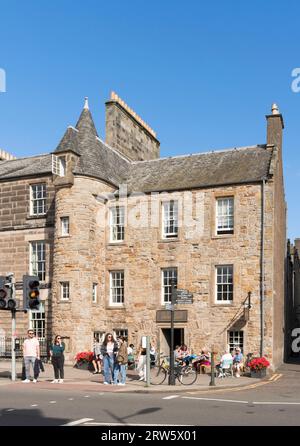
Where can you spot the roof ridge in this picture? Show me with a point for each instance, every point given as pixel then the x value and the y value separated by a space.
pixel 232 149
pixel 31 156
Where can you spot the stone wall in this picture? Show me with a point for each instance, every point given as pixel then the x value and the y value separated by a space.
pixel 126 134
pixel 87 257
pixel 17 229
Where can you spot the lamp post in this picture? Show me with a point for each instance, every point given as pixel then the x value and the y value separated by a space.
pixel 173 300
pixel 212 367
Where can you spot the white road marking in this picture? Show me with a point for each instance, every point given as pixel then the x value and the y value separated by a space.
pixel 133 424
pixel 215 399
pixel 34 405
pixel 71 399
pixel 86 396
pixel 77 422
pixel 280 403
pixel 170 397
pixel 10 410
pixel 52 402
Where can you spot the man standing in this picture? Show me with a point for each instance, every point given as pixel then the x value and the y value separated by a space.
pixel 31 352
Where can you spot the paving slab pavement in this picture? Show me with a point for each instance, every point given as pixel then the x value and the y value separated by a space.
pixel 85 380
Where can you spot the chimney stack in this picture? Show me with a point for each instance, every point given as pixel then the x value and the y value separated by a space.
pixel 128 133
pixel 275 125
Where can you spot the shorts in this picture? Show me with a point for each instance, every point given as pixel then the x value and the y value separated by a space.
pixel 97 357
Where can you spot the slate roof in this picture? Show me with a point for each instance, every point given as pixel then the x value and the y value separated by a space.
pixel 25 167
pixel 97 159
pixel 235 166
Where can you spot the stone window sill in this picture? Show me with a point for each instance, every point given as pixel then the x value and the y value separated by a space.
pixel 121 243
pixel 116 307
pixel 222 236
pixel 36 217
pixel 169 240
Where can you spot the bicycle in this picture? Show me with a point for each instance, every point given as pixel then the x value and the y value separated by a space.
pixel 186 374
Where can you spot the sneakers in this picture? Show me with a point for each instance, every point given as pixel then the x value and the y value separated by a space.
pixel 106 383
pixel 237 375
pixel 60 381
pixel 95 372
pixel 121 384
pixel 55 381
pixel 141 379
pixel 26 381
pixel 34 381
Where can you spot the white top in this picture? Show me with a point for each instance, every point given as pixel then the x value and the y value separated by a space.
pixel 110 348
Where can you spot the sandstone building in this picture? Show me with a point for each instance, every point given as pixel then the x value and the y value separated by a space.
pixel 108 225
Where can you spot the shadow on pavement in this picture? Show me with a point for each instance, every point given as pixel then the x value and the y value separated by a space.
pixel 28 417
pixel 123 420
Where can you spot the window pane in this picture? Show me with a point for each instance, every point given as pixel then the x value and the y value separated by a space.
pixel 38 259
pixel 117 287
pixel 168 275
pixel 117 222
pixel 224 283
pixel 225 217
pixel 38 199
pixel 170 219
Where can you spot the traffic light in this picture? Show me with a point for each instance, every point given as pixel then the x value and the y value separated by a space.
pixel 7 300
pixel 3 293
pixel 31 293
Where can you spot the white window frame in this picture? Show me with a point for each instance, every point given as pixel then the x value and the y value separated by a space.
pixel 64 291
pixel 225 215
pixel 40 202
pixel 120 332
pixel 38 316
pixel 38 265
pixel 112 301
pixel 224 301
pixel 170 219
pixel 95 293
pixel 65 226
pixel 238 337
pixel 166 288
pixel 117 224
pixel 59 165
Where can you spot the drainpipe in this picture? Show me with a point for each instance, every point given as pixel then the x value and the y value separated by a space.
pixel 262 286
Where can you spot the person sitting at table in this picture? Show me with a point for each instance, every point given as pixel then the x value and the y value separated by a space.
pixel 225 363
pixel 204 358
pixel 238 361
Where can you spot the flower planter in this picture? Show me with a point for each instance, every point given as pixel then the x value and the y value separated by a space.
pixel 262 373
pixel 82 365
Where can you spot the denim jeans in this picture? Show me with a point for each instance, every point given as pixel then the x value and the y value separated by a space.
pixel 29 360
pixel 120 368
pixel 108 366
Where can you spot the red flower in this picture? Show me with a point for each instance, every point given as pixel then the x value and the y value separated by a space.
pixel 84 357
pixel 259 363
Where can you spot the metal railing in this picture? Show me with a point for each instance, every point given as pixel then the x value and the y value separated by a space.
pixel 6 347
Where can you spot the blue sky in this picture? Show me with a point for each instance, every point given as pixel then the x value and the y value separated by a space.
pixel 202 75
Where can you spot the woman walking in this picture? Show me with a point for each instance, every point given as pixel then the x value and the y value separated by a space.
pixel 109 349
pixel 58 359
pixel 121 362
pixel 97 356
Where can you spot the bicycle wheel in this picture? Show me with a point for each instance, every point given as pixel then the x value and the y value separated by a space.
pixel 157 375
pixel 187 375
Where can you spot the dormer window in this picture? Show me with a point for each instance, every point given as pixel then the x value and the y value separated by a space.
pixel 59 165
